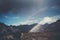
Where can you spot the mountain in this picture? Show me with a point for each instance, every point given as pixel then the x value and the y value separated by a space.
pixel 54 27
pixel 26 28
pixel 13 32
pixel 52 31
pixel 42 27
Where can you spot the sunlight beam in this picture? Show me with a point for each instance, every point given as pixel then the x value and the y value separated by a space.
pixel 48 20
pixel 37 12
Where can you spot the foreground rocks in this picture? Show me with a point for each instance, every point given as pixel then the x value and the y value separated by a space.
pixel 40 36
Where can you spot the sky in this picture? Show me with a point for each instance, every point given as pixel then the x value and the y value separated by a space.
pixel 16 12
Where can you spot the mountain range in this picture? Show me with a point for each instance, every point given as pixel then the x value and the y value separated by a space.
pixel 13 32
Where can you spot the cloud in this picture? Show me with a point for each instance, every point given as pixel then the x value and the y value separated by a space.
pixel 14 5
pixel 41 21
pixel 29 22
pixel 48 20
pixel 36 12
pixel 21 5
pixel 15 17
pixel 56 17
pixel 18 5
pixel 6 17
pixel 55 7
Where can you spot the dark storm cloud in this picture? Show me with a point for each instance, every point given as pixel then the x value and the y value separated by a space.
pixel 55 3
pixel 13 5
pixel 18 5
